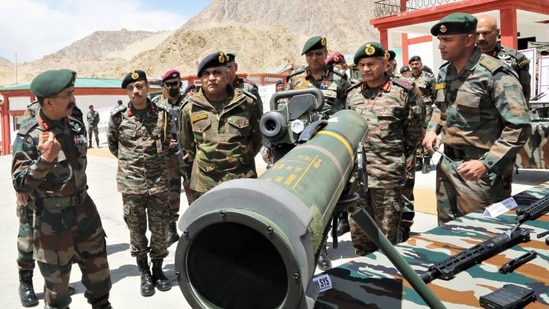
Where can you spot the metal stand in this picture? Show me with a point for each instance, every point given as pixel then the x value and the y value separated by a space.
pixel 368 225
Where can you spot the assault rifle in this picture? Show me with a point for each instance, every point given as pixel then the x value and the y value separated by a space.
pixel 448 268
pixel 180 152
pixel 532 211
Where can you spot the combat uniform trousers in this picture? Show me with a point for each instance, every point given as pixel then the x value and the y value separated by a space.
pixel 408 213
pixel 64 235
pixel 385 207
pixel 457 197
pixel 140 211
pixel 25 260
pixel 507 176
pixel 423 160
pixel 93 131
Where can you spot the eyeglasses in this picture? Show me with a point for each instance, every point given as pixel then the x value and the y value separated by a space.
pixel 316 53
pixel 171 84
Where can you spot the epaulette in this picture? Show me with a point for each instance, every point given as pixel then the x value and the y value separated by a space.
pixel 119 109
pixel 353 86
pixel 406 84
pixel 522 61
pixel 294 73
pixel 251 95
pixel 161 106
pixel 491 63
pixel 27 126
pixel 339 72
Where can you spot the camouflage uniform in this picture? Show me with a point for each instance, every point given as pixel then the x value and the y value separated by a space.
pixel 391 112
pixel 138 138
pixel 93 122
pixel 521 66
pixel 333 84
pixel 483 116
pixel 175 172
pixel 66 224
pixel 222 141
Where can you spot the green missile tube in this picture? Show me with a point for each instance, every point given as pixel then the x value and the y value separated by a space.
pixel 253 243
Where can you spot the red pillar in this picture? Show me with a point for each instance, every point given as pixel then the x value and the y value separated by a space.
pixel 6 138
pixel 384 38
pixel 508 26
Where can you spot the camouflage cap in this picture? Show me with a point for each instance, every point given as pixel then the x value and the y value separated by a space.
pixel 212 60
pixel 50 83
pixel 335 58
pixel 315 42
pixel 456 23
pixel 170 75
pixel 370 49
pixel 132 77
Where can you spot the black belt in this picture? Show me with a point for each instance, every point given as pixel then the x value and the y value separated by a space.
pixel 463 154
pixel 61 202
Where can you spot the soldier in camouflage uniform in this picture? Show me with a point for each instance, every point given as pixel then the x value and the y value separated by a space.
pixel 487 42
pixel 173 99
pixel 220 128
pixel 138 137
pixel 425 82
pixel 482 113
pixel 25 205
pixel 392 63
pixel 93 122
pixel 333 83
pixel 49 163
pixel 390 106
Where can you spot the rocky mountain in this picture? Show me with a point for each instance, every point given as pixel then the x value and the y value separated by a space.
pixel 263 34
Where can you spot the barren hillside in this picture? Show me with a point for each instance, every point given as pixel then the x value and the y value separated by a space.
pixel 263 34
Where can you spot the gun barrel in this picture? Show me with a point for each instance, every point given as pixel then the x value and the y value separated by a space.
pixel 252 243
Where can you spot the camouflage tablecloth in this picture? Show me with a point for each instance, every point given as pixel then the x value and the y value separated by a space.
pixel 535 153
pixel 373 282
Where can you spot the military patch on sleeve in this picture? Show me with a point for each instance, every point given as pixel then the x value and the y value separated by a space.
pixel 523 63
pixel 440 86
pixel 198 117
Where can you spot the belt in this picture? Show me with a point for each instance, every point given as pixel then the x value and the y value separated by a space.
pixel 463 154
pixel 61 202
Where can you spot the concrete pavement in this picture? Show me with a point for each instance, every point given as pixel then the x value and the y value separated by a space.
pixel 124 273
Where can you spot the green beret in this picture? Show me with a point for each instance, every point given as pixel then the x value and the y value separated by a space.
pixel 132 77
pixel 392 55
pixel 216 59
pixel 50 83
pixel 456 23
pixel 315 42
pixel 231 57
pixel 370 49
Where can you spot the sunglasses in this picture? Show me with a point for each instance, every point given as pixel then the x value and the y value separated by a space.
pixel 171 84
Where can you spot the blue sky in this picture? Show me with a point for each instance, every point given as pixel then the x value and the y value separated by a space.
pixel 32 29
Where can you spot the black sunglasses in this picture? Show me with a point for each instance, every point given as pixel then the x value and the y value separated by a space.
pixel 171 84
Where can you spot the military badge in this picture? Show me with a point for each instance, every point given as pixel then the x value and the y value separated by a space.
pixel 440 86
pixel 369 50
pixel 135 75
pixel 323 41
pixel 336 59
pixel 222 58
pixel 198 117
pixel 443 29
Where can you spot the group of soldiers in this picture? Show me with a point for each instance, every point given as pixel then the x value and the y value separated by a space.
pixel 212 135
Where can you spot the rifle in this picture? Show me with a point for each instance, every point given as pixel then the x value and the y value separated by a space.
pixel 531 212
pixel 448 268
pixel 180 152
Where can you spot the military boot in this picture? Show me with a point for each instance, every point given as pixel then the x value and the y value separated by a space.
pixel 160 281
pixel 426 165
pixel 26 289
pixel 419 164
pixel 324 262
pixel 343 224
pixel 172 234
pixel 147 285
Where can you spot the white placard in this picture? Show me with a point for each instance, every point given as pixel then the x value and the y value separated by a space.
pixel 499 208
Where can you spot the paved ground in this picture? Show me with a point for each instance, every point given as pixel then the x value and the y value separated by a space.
pixel 124 273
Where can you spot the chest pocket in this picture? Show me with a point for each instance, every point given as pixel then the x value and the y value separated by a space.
pixel 467 107
pixel 200 127
pixel 238 125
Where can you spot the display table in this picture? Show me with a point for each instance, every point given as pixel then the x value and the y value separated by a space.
pixel 373 281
